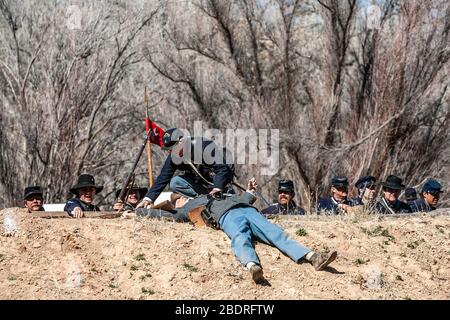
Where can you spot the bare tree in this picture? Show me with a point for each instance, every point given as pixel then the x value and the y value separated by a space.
pixel 63 112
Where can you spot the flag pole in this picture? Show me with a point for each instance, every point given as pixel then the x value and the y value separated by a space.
pixel 149 144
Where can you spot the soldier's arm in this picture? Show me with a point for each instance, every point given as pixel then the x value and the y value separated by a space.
pixel 71 205
pixel 73 208
pixel 249 196
pixel 167 172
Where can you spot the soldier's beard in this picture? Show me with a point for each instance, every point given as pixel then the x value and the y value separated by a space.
pixel 284 200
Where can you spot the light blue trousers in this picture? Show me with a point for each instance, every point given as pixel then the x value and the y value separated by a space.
pixel 187 186
pixel 243 224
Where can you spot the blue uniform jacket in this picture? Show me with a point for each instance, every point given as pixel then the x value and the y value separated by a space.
pixel 421 206
pixel 330 204
pixel 223 174
pixel 277 208
pixel 71 204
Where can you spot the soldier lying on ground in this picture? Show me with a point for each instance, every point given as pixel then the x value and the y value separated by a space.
pixel 84 191
pixel 242 223
pixel 171 209
pixel 33 198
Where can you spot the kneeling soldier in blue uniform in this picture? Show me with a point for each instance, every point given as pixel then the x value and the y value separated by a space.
pixel 431 191
pixel 338 203
pixel 200 175
pixel 286 203
pixel 389 202
pixel 84 191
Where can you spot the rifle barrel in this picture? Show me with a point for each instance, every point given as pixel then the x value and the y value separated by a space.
pixel 258 194
pixel 127 181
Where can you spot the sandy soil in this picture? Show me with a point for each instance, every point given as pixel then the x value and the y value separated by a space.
pixel 379 258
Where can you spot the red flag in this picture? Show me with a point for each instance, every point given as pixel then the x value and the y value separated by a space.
pixel 156 134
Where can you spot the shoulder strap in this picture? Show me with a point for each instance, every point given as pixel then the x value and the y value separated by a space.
pixel 199 174
pixel 386 206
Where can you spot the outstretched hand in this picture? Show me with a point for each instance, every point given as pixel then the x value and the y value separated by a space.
pixel 78 213
pixel 146 204
pixel 252 185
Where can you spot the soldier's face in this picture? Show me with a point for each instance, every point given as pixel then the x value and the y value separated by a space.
pixel 391 195
pixel 133 197
pixel 285 197
pixel 431 198
pixel 33 202
pixel 87 194
pixel 339 193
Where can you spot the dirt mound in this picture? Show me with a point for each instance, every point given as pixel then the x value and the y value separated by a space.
pixel 379 258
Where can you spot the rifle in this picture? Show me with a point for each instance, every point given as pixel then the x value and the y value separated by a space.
pixel 130 175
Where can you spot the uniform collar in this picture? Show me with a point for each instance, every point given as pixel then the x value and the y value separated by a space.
pixel 428 206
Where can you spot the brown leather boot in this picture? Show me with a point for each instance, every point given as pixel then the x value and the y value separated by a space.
pixel 321 260
pixel 257 274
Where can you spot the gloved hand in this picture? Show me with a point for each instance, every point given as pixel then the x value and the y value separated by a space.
pixel 146 203
pixel 128 214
